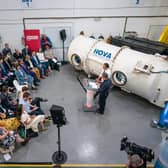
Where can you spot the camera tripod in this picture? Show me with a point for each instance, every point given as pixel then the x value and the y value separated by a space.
pixel 59 157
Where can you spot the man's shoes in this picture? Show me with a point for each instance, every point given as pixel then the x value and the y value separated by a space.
pixel 98 111
pixel 36 84
pixel 33 88
pixel 101 113
pixel 42 77
pixel 25 141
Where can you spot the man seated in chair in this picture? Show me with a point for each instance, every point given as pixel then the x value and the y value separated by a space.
pixel 6 74
pixel 7 103
pixel 28 72
pixel 36 63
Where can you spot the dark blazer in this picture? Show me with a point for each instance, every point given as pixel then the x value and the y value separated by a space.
pixel 27 64
pixel 104 88
pixel 7 65
pixel 6 50
pixel 20 56
pixel 34 62
pixel 4 70
pixel 26 52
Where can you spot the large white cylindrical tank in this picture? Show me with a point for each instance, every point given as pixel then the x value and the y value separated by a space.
pixel 133 71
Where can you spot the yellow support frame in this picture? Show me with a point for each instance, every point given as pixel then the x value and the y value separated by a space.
pixel 164 36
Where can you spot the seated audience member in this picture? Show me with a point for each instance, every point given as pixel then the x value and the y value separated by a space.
pixel 28 72
pixel 45 41
pixel 30 66
pixel 23 78
pixel 6 50
pixel 26 51
pixel 24 89
pixel 11 58
pixel 9 76
pixel 30 121
pixel 36 101
pixel 36 63
pixel 7 103
pixel 3 80
pixel 105 69
pixel 17 54
pixel 43 60
pixel 7 63
pixel 6 112
pixel 10 124
pixel 30 109
pixel 8 138
pixel 52 59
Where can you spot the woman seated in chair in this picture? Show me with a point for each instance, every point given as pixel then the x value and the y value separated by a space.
pixel 8 119
pixel 8 139
pixel 52 59
pixel 30 121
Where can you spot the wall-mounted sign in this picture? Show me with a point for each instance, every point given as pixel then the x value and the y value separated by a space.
pixel 27 2
pixel 32 39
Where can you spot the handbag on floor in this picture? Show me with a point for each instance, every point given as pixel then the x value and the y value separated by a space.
pixel 26 133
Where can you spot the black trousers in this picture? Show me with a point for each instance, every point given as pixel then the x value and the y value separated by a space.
pixel 53 65
pixel 36 102
pixel 102 103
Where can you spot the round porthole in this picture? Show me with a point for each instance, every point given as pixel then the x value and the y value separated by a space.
pixel 119 78
pixel 76 60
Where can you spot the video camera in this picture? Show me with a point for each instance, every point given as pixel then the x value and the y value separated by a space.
pixel 132 148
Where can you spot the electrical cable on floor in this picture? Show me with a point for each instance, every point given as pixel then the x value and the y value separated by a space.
pixel 80 82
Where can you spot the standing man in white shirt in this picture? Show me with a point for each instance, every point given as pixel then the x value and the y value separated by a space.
pixel 106 69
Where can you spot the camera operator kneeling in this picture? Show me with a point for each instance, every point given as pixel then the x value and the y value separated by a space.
pixel 135 161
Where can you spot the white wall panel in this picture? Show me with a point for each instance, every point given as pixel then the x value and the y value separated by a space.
pixel 36 4
pixel 13 11
pixel 118 3
pixel 142 25
pixel 121 12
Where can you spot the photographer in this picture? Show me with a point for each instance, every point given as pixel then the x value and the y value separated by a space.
pixel 138 156
pixel 135 161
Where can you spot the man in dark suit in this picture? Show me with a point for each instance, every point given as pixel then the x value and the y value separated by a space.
pixel 103 92
pixel 36 63
pixel 26 51
pixel 9 76
pixel 6 50
pixel 6 101
pixel 28 72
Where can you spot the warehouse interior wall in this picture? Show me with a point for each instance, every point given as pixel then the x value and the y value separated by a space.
pixel 13 12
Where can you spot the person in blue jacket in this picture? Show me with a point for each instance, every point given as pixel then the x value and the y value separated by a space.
pixel 23 78
pixel 45 41
pixel 103 92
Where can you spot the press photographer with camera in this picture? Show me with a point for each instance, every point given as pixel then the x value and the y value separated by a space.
pixel 137 155
pixel 135 161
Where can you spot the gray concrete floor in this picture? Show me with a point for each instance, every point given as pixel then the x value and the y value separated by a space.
pixel 90 137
